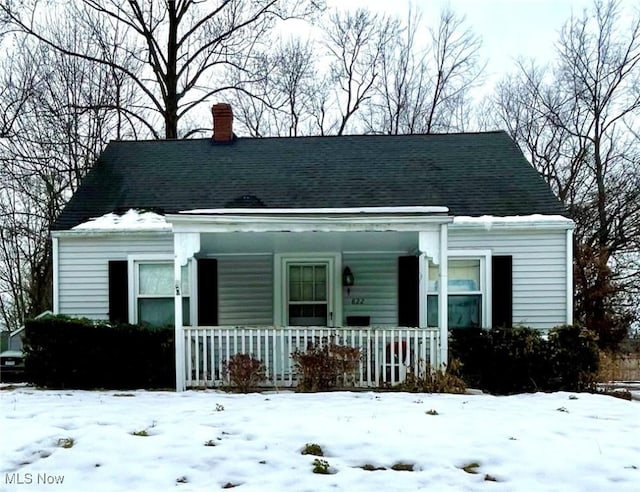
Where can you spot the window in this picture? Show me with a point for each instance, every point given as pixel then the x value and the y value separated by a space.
pixel 154 294
pixel 307 294
pixel 466 293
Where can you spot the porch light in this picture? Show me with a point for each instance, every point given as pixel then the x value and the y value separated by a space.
pixel 347 278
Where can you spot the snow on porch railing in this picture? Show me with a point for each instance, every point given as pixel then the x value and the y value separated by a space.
pixel 386 353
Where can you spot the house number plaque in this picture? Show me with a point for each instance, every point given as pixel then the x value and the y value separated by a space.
pixel 357 300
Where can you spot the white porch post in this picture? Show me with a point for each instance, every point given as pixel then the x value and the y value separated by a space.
pixel 185 245
pixel 443 292
pixel 428 245
pixel 433 244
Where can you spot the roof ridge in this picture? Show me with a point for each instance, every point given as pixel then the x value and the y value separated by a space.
pixel 307 137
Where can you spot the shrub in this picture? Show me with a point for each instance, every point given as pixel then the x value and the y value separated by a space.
pixel 519 359
pixel 245 372
pixel 315 368
pixel 62 352
pixel 346 360
pixel 435 381
pixel 574 357
pixel 471 347
pixel 518 362
pixel 321 366
pixel 312 449
pixel 500 360
pixel 66 442
pixel 321 466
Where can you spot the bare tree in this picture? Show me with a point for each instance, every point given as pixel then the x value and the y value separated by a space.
pixel 401 92
pixel 356 42
pixel 425 88
pixel 280 99
pixel 579 124
pixel 180 44
pixel 456 57
pixel 59 112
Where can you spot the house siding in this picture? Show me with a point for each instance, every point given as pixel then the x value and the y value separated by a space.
pixel 83 264
pixel 376 286
pixel 539 270
pixel 245 283
pixel 245 290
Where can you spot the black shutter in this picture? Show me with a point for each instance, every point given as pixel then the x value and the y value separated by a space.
pixel 207 292
pixel 502 291
pixel 408 291
pixel 118 292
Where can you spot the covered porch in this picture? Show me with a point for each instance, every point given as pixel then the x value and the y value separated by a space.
pixel 268 282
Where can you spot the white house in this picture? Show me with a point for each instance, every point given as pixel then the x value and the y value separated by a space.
pixel 263 245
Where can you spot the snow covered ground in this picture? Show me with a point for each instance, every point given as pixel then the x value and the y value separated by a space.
pixel 197 441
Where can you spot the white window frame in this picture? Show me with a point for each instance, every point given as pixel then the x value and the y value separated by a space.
pixel 133 262
pixel 484 255
pixel 281 284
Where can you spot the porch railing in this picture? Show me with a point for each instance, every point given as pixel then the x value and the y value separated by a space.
pixel 387 354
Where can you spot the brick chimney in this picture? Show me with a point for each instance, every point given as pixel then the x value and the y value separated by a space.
pixel 222 122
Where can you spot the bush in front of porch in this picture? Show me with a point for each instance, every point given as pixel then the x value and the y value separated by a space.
pixel 325 366
pixel 245 372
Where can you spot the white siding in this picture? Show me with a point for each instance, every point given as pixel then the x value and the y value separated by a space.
pixel 376 284
pixel 539 270
pixel 83 268
pixel 245 283
pixel 245 290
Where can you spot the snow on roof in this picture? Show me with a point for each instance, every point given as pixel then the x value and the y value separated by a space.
pixel 132 220
pixel 319 211
pixel 489 221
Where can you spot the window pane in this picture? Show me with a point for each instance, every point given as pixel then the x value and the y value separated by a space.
pixel 464 311
pixel 307 273
pixel 307 283
pixel 186 284
pixel 295 291
pixel 321 291
pixel 156 279
pixel 160 312
pixel 463 276
pixel 307 291
pixel 432 311
pixel 308 315
pixel 434 275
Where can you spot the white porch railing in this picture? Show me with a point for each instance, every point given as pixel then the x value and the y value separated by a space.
pixel 386 353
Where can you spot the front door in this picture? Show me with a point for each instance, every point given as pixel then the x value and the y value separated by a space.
pixel 305 289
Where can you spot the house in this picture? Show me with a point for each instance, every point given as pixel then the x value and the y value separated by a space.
pixel 262 245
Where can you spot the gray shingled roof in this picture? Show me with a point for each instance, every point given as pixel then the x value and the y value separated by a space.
pixel 471 173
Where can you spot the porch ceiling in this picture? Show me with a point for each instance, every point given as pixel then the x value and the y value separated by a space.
pixel 305 242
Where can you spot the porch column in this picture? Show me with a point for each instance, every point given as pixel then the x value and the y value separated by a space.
pixel 185 245
pixel 443 292
pixel 433 244
pixel 429 247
